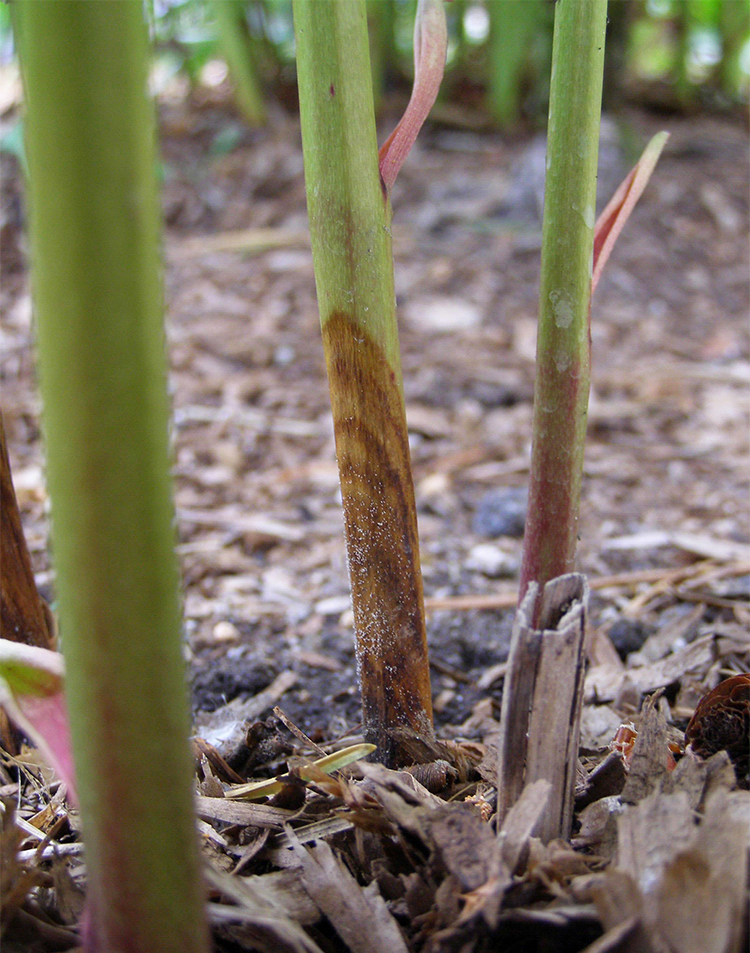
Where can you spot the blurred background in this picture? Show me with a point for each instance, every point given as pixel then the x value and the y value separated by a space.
pixel 672 55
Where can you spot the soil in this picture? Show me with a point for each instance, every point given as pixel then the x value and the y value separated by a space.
pixel 665 494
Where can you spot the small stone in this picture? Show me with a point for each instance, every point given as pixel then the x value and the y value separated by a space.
pixel 442 314
pixel 501 513
pixel 627 635
pixel 283 355
pixel 333 605
pixel 226 632
pixel 491 561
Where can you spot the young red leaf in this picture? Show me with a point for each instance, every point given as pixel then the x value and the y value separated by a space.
pixel 612 220
pixel 430 45
pixel 31 692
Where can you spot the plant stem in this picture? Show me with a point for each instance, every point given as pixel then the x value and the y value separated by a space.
pixel 380 15
pixel 95 236
pixel 21 609
pixel 350 219
pixel 512 27
pixel 235 43
pixel 563 344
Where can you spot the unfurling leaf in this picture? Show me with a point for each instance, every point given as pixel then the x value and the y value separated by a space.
pixel 430 45
pixel 32 693
pixel 612 220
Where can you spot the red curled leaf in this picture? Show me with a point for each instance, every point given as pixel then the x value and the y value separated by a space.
pixel 430 45
pixel 32 694
pixel 612 220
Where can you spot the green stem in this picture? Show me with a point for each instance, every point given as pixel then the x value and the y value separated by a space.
pixel 380 15
pixel 563 345
pixel 512 26
pixel 350 218
pixel 734 23
pixel 234 41
pixel 95 244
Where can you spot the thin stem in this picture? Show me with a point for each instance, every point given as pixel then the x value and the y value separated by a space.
pixel 563 345
pixel 512 28
pixel 95 235
pixel 350 219
pixel 235 43
pixel 21 609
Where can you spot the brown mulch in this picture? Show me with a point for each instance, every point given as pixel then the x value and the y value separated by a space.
pixel 656 857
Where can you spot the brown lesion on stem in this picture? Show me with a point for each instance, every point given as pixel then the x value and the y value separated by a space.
pixel 382 544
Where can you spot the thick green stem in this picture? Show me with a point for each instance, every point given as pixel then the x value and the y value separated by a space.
pixel 95 243
pixel 563 346
pixel 234 41
pixel 350 218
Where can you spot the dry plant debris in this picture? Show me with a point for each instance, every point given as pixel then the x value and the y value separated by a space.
pixel 657 861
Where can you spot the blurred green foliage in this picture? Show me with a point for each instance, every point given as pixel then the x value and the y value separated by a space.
pixel 674 54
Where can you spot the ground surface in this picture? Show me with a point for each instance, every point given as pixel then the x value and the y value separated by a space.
pixel 666 484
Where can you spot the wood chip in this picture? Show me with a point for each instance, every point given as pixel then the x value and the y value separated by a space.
pixel 521 821
pixel 359 915
pixel 243 813
pixel 603 683
pixel 691 878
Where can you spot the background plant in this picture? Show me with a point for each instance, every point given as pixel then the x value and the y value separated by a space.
pixel 674 53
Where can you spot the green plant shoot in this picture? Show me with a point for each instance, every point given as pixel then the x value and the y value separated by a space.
pixel 563 349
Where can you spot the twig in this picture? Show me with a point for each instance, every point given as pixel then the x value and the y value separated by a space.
pixel 297 732
pixel 663 578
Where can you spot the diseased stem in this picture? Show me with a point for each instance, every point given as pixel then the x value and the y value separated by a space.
pixel 350 218
pixel 95 235
pixel 563 346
